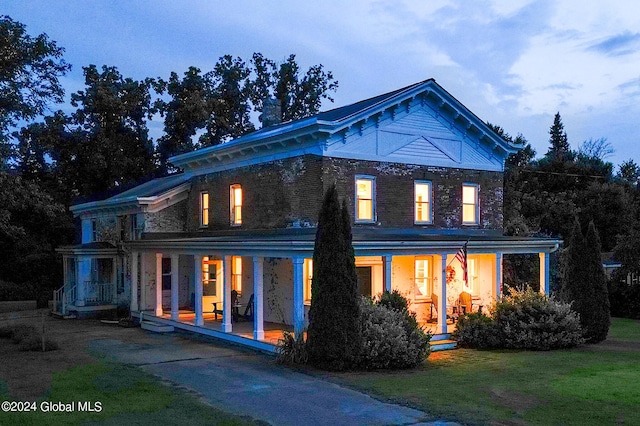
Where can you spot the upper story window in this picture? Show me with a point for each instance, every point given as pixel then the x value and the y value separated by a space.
pixel 94 230
pixel 422 198
pixel 307 270
pixel 204 209
pixel 236 204
pixel 236 273
pixel 470 205
pixel 365 198
pixel 423 276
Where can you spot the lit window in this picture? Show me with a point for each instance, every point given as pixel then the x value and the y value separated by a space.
pixel 204 209
pixel 308 277
pixel 365 202
pixel 423 277
pixel 422 191
pixel 236 273
pixel 236 204
pixel 470 204
pixel 472 274
pixel 208 276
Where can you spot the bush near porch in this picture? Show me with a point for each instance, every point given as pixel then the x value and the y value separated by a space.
pixel 523 319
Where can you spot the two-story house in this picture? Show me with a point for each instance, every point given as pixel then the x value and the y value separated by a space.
pixel 421 174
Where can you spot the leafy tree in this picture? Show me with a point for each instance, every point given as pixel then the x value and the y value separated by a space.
pixel 185 113
pixel 30 68
pixel 629 173
pixel 115 147
pixel 334 335
pixel 300 96
pixel 559 150
pixel 584 283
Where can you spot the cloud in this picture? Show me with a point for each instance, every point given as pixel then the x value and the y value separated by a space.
pixel 618 45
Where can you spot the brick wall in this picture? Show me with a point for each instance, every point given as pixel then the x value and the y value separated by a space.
pixel 170 219
pixel 289 192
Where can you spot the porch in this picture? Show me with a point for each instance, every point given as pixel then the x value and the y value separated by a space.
pixel 243 330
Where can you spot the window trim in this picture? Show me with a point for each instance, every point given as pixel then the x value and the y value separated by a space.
pixel 307 278
pixel 207 261
pixel 232 204
pixel 373 199
pixel 204 224
pixel 429 202
pixel 476 204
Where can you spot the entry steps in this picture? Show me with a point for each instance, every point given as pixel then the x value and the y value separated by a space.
pixel 155 327
pixel 442 342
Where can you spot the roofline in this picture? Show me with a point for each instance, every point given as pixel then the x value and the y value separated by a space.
pixel 129 202
pixel 298 130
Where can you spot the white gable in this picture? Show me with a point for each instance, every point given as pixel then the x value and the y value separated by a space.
pixel 414 135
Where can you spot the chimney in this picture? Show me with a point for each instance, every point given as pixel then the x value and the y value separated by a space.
pixel 271 112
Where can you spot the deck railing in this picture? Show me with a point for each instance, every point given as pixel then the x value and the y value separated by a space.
pixel 98 292
pixel 63 297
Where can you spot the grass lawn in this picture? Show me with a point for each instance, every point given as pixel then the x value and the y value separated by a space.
pixel 594 384
pixel 128 396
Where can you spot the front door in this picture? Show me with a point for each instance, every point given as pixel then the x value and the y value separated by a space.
pixel 364 280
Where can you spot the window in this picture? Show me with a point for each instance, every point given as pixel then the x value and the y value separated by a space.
pixel 423 277
pixel 422 194
pixel 308 277
pixel 472 275
pixel 134 227
pixel 365 198
pixel 204 209
pixel 470 211
pixel 236 273
pixel 166 273
pixel 236 204
pixel 209 274
pixel 94 230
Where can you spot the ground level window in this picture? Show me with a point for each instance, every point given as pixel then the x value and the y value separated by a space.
pixel 209 274
pixel 308 277
pixel 236 273
pixel 423 277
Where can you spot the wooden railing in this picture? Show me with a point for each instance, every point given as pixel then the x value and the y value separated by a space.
pixel 63 297
pixel 98 292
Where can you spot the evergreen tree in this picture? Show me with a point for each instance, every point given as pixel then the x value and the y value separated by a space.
pixel 559 149
pixel 334 335
pixel 584 283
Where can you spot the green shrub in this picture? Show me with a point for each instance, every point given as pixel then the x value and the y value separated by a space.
pixel 531 320
pixel 522 319
pixel 476 330
pixel 27 337
pixel 624 298
pixel 394 300
pixel 389 338
pixel 292 350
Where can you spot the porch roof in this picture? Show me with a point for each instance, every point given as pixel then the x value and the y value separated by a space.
pixel 89 249
pixel 366 241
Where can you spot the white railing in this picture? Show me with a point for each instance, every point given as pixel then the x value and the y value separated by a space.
pixel 97 292
pixel 63 297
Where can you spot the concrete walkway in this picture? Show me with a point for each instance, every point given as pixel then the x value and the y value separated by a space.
pixel 240 381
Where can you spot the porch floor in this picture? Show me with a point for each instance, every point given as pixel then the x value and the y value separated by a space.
pixel 273 332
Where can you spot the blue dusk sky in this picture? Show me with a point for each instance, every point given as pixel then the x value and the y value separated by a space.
pixel 514 63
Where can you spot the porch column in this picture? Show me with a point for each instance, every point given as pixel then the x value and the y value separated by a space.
pixel 142 283
pixel 197 276
pixel 226 298
pixel 134 281
pixel 544 273
pixel 159 284
pixel 498 275
pixel 84 275
pixel 258 285
pixel 442 309
pixel 387 272
pixel 298 296
pixel 114 279
pixel 174 287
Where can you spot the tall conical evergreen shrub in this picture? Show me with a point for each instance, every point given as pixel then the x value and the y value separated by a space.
pixel 334 334
pixel 584 283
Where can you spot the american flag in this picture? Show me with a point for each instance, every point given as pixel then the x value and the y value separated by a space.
pixel 462 257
